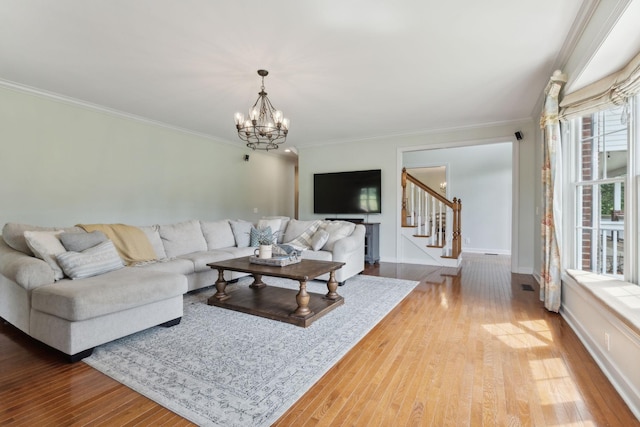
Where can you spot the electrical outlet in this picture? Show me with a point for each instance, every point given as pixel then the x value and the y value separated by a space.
pixel 467 240
pixel 255 210
pixel 607 341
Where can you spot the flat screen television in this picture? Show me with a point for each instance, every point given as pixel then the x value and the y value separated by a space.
pixel 355 192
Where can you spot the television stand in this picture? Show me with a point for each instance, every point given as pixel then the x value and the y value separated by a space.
pixel 354 220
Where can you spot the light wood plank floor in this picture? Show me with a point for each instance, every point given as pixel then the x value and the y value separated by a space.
pixel 471 349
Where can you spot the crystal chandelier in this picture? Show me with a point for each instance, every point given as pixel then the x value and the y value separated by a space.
pixel 265 128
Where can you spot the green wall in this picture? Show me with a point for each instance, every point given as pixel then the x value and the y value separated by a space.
pixel 63 163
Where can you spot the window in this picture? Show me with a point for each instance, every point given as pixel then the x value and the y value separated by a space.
pixel 603 168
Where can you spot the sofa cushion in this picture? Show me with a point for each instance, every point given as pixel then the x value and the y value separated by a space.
pixel 337 230
pixel 182 238
pixel 241 230
pixel 170 265
pixel 153 234
pixel 234 252
pixel 46 245
pixel 115 291
pixel 218 234
pixel 96 260
pixel 26 270
pixel 317 255
pixel 78 242
pixel 13 235
pixel 201 259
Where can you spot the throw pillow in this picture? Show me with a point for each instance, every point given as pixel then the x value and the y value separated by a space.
pixel 99 259
pixel 337 230
pixel 304 239
pixel 295 228
pixel 259 237
pixel 218 234
pixel 182 238
pixel 46 246
pixel 241 230
pixel 284 221
pixel 318 239
pixel 273 223
pixel 78 242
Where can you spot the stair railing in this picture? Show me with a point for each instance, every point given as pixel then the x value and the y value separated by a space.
pixel 428 211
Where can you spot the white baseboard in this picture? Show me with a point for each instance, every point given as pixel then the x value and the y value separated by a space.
pixel 486 251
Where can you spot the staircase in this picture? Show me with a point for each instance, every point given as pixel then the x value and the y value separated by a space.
pixel 431 223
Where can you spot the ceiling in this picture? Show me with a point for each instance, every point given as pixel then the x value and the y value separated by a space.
pixel 340 70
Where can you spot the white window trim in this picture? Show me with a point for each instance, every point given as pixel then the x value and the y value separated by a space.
pixel 571 138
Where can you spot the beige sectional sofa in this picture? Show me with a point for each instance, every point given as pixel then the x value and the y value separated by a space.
pixel 109 298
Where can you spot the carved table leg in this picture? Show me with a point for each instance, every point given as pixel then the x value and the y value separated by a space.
pixel 257 282
pixel 221 285
pixel 302 298
pixel 332 285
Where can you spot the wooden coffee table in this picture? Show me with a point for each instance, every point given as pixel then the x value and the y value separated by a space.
pixel 300 307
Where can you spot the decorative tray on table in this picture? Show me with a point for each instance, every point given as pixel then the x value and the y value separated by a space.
pixel 276 260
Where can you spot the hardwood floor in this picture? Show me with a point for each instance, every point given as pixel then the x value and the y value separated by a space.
pixel 471 349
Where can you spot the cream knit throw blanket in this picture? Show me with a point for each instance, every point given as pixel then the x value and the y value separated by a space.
pixel 131 242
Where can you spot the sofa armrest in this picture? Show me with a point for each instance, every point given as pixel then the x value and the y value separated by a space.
pixel 346 246
pixel 27 271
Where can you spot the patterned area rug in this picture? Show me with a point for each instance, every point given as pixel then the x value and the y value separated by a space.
pixel 221 367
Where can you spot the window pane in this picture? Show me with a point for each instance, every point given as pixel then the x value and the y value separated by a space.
pixel 603 149
pixel 600 231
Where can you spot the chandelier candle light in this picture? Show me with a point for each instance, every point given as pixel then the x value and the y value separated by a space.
pixel 265 128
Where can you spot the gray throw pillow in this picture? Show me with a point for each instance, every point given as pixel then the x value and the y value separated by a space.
pixel 99 259
pixel 78 242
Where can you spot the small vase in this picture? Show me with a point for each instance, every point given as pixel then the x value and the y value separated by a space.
pixel 265 251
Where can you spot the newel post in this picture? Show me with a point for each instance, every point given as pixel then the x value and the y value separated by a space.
pixel 403 182
pixel 457 228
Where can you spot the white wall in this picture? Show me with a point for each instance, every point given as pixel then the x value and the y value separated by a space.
pixel 385 154
pixel 480 176
pixel 63 163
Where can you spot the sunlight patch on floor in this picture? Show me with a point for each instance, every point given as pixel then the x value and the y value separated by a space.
pixel 514 336
pixel 553 382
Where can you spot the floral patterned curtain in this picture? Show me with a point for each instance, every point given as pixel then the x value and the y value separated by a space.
pixel 551 273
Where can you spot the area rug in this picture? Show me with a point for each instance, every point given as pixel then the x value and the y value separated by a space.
pixel 221 367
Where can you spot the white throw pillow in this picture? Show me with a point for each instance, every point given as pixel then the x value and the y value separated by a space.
pixel 318 239
pixel 337 230
pixel 273 223
pixel 284 221
pixel 46 246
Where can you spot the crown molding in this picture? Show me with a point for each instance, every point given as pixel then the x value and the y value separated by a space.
pixel 424 132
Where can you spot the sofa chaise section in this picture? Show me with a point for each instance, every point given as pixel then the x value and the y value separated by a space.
pixel 74 319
